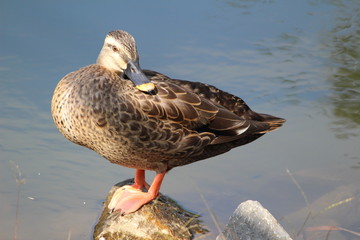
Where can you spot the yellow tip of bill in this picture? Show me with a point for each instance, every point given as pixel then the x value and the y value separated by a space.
pixel 146 87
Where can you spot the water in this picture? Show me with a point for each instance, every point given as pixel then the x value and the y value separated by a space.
pixel 294 59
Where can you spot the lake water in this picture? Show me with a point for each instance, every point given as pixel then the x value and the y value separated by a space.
pixel 294 59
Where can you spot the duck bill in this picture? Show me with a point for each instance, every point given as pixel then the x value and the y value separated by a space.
pixel 134 73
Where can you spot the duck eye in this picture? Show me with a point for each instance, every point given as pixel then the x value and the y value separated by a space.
pixel 115 49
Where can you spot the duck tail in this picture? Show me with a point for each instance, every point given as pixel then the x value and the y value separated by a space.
pixel 273 122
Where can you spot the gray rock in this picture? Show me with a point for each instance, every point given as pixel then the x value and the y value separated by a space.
pixel 251 221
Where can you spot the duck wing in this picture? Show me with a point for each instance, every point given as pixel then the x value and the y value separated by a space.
pixel 231 102
pixel 201 108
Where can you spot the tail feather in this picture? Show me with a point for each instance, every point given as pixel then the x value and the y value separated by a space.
pixel 274 122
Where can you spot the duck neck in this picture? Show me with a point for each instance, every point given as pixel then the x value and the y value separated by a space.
pixel 106 62
pixel 101 60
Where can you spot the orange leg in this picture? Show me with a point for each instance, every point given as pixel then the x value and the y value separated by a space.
pixel 140 180
pixel 128 199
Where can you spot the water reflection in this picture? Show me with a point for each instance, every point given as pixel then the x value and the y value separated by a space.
pixel 343 41
pixel 245 4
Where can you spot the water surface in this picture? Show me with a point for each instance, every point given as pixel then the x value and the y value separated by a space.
pixel 294 59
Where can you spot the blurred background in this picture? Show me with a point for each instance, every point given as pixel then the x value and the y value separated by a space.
pixel 294 59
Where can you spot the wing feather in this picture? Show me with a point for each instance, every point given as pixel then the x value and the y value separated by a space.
pixel 197 107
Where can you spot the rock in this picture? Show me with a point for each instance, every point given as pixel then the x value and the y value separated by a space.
pixel 252 221
pixel 160 219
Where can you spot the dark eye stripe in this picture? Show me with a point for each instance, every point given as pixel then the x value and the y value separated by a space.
pixel 115 49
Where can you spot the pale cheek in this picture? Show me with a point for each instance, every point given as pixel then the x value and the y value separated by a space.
pixel 122 64
pixel 116 63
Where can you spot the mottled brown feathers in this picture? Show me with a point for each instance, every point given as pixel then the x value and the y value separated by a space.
pixel 183 123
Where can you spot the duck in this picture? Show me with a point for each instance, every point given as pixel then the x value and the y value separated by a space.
pixel 145 120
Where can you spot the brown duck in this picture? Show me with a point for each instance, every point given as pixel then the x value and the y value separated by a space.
pixel 145 120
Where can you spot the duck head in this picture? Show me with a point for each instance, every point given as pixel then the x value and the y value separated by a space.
pixel 119 54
